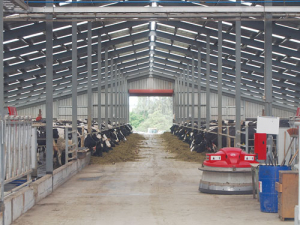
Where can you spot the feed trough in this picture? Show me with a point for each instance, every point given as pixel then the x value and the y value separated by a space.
pixel 227 172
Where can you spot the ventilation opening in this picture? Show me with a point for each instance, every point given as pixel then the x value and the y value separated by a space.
pixel 151 114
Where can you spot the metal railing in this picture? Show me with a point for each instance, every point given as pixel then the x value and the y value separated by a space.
pixel 73 147
pixel 17 136
pixel 246 145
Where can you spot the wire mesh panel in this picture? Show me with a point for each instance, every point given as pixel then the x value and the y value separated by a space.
pixel 17 147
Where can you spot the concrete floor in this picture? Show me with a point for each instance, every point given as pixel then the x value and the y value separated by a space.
pixel 154 190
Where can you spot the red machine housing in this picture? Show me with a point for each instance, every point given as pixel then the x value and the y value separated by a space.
pixel 229 157
pixel 260 145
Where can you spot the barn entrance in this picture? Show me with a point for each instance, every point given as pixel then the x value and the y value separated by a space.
pixel 151 111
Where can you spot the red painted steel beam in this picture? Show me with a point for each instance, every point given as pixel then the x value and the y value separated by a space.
pixel 151 92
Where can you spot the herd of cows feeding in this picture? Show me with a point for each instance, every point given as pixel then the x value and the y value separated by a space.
pixel 98 141
pixel 202 140
pixel 206 140
pixel 103 140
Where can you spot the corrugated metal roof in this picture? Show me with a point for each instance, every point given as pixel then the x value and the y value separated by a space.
pixel 173 43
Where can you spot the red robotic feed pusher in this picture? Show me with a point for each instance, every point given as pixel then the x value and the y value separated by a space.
pixel 227 172
pixel 229 157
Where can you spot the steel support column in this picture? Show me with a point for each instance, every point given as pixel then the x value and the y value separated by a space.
pixel 220 84
pixel 2 65
pixel 111 101
pixel 99 81
pixel 174 101
pixel 116 95
pixel 237 82
pixel 199 87
pixel 181 96
pixel 184 95
pixel 193 91
pixel 268 64
pixel 127 101
pixel 49 93
pixel 188 91
pixel 120 96
pixel 89 66
pixel 1 112
pixel 124 101
pixel 74 78
pixel 207 80
pixel 178 96
pixel 123 98
pixel 106 87
pixel 179 99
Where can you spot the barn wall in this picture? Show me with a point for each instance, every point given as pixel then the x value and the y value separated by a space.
pixel 62 109
pixel 248 109
pixel 151 83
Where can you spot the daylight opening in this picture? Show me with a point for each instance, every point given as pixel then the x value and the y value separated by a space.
pixel 151 114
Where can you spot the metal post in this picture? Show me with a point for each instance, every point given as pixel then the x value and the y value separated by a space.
pixel 188 90
pixel 127 94
pixel 207 80
pixel 177 101
pixel 119 98
pixel 111 102
pixel 66 145
pixel 220 84
pixel 237 82
pixel 268 63
pixel 184 96
pixel 193 91
pixel 106 87
pixel 99 81
pixel 74 78
pixel 174 101
pixel 1 112
pixel 2 65
pixel 89 67
pixel 122 97
pixel 199 87
pixel 127 101
pixel 115 93
pixel 247 139
pixel 49 92
pixel 124 91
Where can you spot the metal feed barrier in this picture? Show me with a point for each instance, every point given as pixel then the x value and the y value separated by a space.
pixel 16 149
pixel 229 137
pixel 73 147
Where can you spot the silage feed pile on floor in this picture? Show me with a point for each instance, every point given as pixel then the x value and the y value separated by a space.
pixel 181 149
pixel 125 151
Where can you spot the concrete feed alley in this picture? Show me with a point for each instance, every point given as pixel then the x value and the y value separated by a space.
pixel 153 190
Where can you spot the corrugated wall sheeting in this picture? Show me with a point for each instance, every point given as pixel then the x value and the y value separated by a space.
pixel 151 83
pixel 251 110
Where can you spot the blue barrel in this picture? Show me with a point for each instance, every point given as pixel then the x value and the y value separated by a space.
pixel 268 196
